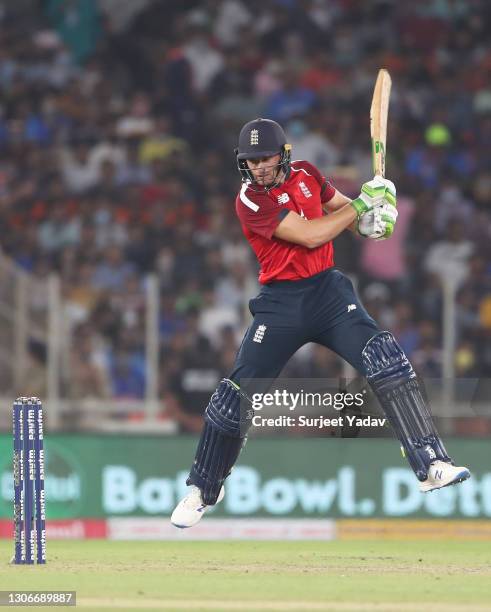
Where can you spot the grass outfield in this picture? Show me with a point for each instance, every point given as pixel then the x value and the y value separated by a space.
pixel 370 575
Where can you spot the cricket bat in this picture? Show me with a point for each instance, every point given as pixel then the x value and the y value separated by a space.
pixel 379 111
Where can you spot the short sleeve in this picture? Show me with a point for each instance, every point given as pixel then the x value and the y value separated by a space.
pixel 258 212
pixel 327 188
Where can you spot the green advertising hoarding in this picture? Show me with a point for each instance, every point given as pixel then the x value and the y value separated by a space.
pixel 102 476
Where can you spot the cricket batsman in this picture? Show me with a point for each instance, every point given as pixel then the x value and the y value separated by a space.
pixel 290 215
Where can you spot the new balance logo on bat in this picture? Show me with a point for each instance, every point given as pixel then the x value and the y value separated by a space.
pixel 259 335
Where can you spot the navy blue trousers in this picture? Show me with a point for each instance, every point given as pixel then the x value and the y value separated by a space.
pixel 288 314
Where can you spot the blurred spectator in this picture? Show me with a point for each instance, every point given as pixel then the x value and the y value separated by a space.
pixel 428 358
pixel 59 230
pixel 448 257
pixel 79 174
pixel 113 271
pixel 230 19
pixel 215 316
pixel 87 379
pixel 127 374
pixel 293 99
pixel 312 145
pixel 406 331
pixel 77 22
pixel 452 205
pixel 205 61
pixel 377 301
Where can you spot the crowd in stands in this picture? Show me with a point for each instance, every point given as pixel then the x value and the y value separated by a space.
pixel 117 130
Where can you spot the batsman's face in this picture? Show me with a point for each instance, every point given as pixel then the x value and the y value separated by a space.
pixel 264 169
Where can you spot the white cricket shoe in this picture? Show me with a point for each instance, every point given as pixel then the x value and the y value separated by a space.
pixel 191 508
pixel 442 474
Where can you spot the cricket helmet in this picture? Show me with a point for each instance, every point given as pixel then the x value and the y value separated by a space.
pixel 262 138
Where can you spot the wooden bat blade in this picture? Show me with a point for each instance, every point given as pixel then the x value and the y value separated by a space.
pixel 379 112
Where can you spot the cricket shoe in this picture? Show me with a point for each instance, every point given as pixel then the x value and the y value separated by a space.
pixel 191 508
pixel 442 474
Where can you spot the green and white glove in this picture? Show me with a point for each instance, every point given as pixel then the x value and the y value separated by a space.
pixel 374 193
pixel 378 223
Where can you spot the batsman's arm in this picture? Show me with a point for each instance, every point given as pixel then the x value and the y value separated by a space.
pixel 336 203
pixel 314 232
pixel 374 193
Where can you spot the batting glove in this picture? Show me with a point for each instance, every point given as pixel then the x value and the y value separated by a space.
pixel 378 223
pixel 374 193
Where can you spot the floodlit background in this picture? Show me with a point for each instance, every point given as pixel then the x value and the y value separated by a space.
pixel 124 276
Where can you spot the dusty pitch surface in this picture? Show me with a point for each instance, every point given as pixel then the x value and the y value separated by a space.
pixel 361 576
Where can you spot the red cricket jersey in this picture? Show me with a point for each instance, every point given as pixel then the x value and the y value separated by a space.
pixel 261 212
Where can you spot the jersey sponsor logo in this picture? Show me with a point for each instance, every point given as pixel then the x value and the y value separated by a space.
pixel 351 307
pixel 305 190
pixel 283 198
pixel 259 335
pixel 254 137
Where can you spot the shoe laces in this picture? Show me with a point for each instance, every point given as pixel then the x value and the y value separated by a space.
pixel 193 498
